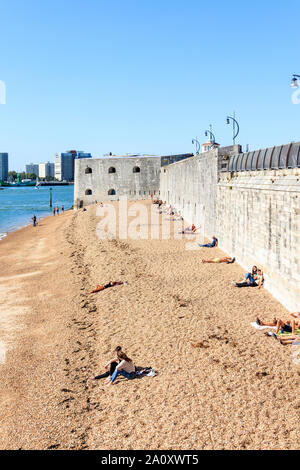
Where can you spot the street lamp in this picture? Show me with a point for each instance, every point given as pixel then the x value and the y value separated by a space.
pixel 295 81
pixel 235 125
pixel 211 136
pixel 196 142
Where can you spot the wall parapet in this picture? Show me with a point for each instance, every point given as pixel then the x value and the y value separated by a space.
pixel 273 158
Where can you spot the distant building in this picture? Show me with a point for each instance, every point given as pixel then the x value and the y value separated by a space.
pixel 64 164
pixel 32 168
pixel 46 170
pixel 113 176
pixel 3 166
pixel 168 159
pixel 207 146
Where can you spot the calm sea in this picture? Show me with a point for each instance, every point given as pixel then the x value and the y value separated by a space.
pixel 18 205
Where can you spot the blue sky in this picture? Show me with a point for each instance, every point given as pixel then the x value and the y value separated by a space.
pixel 144 76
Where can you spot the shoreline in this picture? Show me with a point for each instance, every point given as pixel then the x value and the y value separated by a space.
pixel 220 384
pixel 18 206
pixel 5 234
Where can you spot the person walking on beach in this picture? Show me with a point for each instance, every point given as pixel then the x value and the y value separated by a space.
pixel 54 210
pixel 126 368
pixel 63 209
pixel 34 220
pixel 57 210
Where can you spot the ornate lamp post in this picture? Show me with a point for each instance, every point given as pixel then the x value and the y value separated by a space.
pixel 211 136
pixel 236 127
pixel 196 142
pixel 295 81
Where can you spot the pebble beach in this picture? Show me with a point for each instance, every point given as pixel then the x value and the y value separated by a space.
pixel 219 384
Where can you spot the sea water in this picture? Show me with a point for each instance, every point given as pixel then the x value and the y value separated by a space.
pixel 19 205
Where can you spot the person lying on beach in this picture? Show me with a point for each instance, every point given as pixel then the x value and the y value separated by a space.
pixel 107 286
pixel 253 279
pixel 282 326
pixel 126 368
pixel 214 243
pixel 295 315
pixel 219 260
pixel 111 365
pixel 188 230
pixel 290 340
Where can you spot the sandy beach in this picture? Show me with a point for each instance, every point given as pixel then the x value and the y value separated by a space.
pixel 237 389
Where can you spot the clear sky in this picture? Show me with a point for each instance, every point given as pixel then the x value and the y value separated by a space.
pixel 145 76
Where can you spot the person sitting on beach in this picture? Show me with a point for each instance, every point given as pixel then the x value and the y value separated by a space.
pixel 107 286
pixel 219 260
pixel 111 365
pixel 284 326
pixel 213 244
pixel 253 279
pixel 126 368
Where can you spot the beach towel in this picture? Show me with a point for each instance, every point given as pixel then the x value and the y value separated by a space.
pixel 286 333
pixel 258 327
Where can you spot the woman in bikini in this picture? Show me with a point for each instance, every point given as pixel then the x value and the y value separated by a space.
pixel 288 326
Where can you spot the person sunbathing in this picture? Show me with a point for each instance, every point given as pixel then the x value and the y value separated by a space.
pixel 253 279
pixel 107 286
pixel 111 365
pixel 295 315
pixel 213 244
pixel 219 260
pixel 189 230
pixel 290 340
pixel 282 326
pixel 126 368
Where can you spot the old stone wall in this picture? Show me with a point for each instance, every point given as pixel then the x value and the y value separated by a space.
pixel 254 214
pixel 110 178
pixel 258 216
